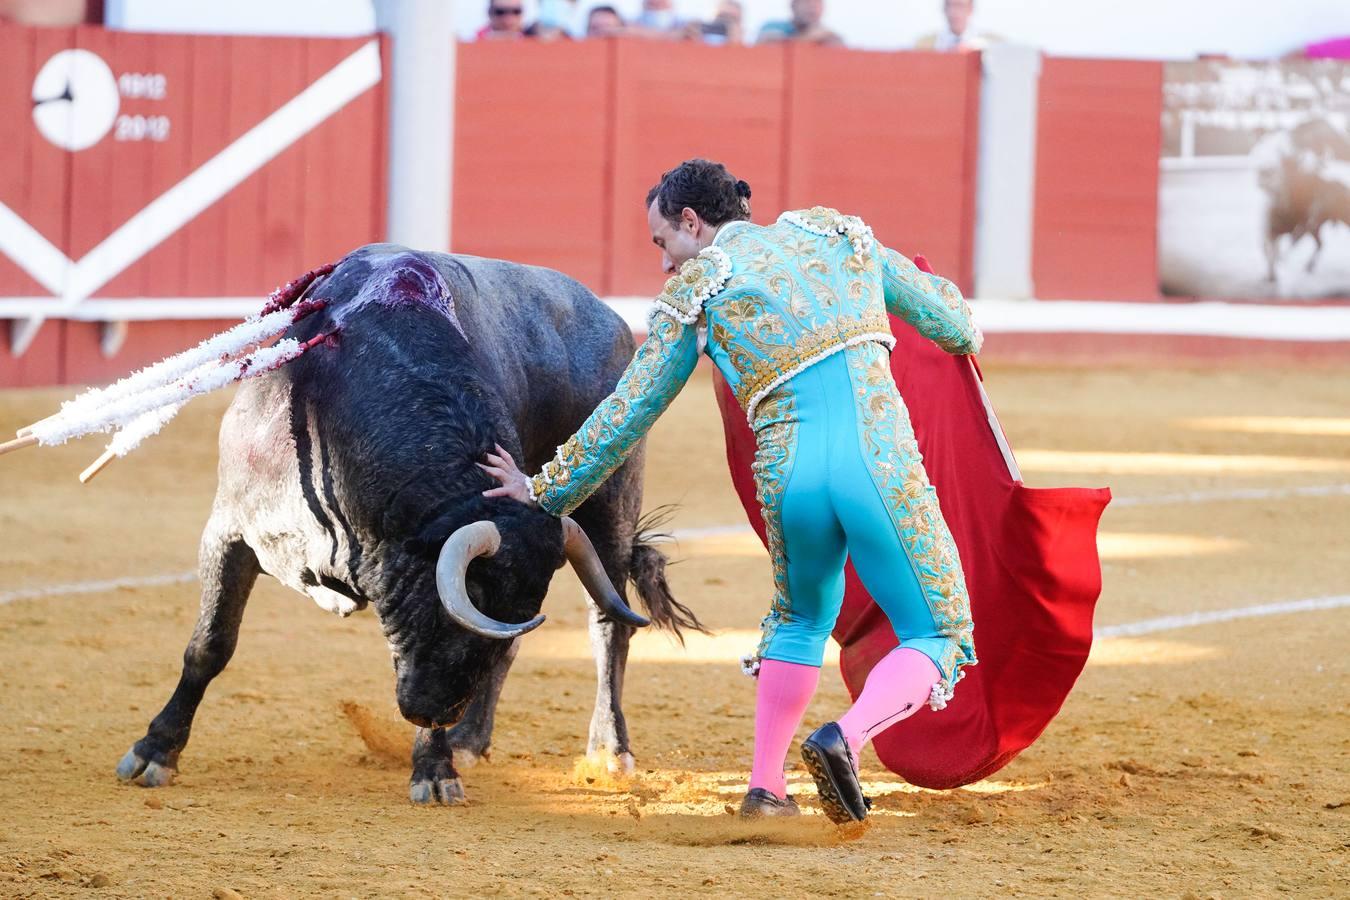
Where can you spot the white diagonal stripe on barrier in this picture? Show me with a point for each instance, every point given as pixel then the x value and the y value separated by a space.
pixel 32 252
pixel 219 175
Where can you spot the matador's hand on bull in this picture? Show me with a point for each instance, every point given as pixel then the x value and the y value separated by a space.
pixel 514 484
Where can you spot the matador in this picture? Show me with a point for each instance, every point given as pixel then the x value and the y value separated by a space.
pixel 794 316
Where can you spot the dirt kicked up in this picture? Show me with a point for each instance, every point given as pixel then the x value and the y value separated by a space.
pixel 1210 760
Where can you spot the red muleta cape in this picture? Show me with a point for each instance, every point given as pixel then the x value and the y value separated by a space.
pixel 1031 566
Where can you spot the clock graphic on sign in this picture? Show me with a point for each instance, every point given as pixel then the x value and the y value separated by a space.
pixel 75 99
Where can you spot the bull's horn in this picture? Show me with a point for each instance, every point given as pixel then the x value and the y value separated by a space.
pixel 581 554
pixel 461 548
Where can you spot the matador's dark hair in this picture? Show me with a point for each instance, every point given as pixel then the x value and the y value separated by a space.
pixel 705 187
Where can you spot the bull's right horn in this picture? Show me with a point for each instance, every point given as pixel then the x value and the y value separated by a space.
pixel 464 546
pixel 586 563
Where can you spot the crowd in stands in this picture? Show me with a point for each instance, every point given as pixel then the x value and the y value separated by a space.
pixel 660 20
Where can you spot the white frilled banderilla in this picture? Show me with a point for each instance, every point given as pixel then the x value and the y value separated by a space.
pixel 139 405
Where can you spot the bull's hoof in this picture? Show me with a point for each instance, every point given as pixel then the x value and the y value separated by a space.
pixel 431 791
pixel 613 763
pixel 133 769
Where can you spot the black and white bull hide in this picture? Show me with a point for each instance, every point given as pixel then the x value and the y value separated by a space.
pixel 1305 175
pixel 351 476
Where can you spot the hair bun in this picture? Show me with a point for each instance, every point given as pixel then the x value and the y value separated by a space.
pixel 743 189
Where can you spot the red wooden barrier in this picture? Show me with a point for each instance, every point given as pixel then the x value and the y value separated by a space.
pixel 34 173
pixel 41 365
pixel 556 147
pixel 891 137
pixel 309 192
pixel 687 100
pixel 542 132
pixel 1098 136
pixel 146 342
pixel 532 155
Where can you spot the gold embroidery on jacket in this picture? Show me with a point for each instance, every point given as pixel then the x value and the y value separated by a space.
pixel 759 372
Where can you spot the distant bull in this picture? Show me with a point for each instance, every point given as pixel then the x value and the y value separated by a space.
pixel 1305 174
pixel 350 475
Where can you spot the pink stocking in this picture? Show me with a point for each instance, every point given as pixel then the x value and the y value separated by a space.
pixel 896 688
pixel 780 702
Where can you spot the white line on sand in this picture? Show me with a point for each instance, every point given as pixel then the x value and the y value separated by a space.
pixel 1190 620
pixel 1129 629
pixel 1146 626
pixel 96 587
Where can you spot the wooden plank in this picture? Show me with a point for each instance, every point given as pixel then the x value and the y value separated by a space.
pixel 531 153
pixel 17 68
pixel 250 68
pixel 283 178
pixel 1099 130
pixel 340 177
pixel 205 125
pixel 169 149
pixel 889 137
pixel 731 108
pixel 41 366
pixel 35 183
pixel 110 181
pixel 146 343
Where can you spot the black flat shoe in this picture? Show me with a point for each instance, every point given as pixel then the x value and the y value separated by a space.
pixel 760 804
pixel 830 762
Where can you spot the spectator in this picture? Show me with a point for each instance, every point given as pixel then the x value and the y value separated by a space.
pixel 958 36
pixel 805 25
pixel 50 12
pixel 657 20
pixel 603 22
pixel 725 27
pixel 506 21
pixel 556 18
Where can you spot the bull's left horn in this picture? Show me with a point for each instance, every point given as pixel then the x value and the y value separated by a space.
pixel 464 546
pixel 581 554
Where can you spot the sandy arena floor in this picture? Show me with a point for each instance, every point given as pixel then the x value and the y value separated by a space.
pixel 1197 762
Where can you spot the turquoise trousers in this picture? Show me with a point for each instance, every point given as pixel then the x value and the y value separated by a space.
pixel 839 476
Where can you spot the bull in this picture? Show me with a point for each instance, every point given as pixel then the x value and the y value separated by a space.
pixel 351 476
pixel 1302 172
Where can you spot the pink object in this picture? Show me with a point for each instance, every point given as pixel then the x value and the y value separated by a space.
pixel 897 687
pixel 1337 48
pixel 784 691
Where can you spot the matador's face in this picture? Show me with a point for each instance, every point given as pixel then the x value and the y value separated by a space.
pixel 679 241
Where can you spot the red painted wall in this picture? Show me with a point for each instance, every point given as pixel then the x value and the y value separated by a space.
pixel 891 137
pixel 557 145
pixel 314 201
pixel 532 153
pixel 1099 132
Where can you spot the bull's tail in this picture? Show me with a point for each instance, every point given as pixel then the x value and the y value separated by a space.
pixel 648 573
